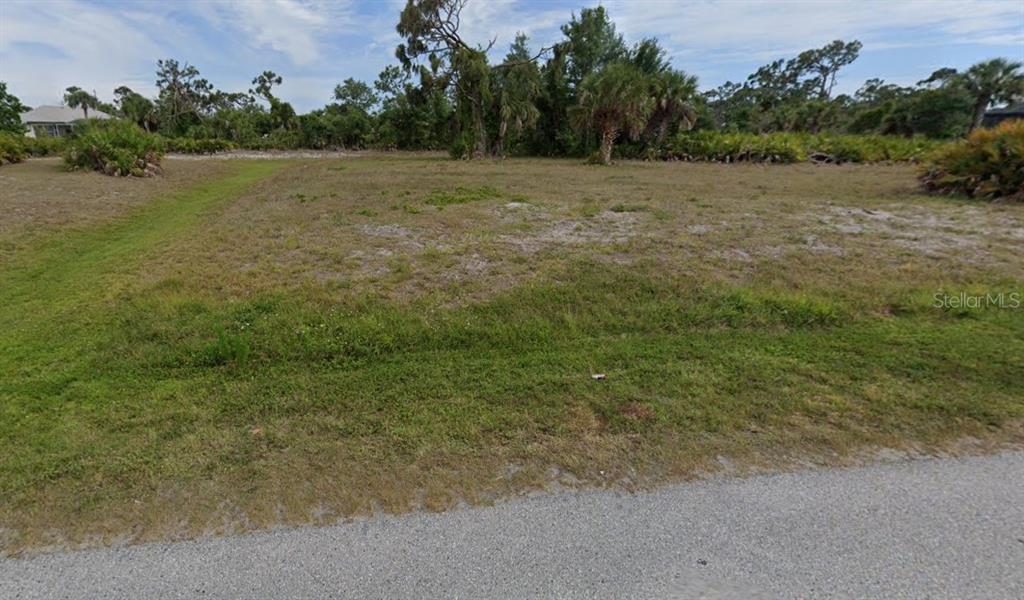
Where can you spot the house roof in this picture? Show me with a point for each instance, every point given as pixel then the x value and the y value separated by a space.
pixel 59 114
pixel 1012 109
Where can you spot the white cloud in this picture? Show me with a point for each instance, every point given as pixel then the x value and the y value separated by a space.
pixel 93 49
pixel 743 29
pixel 292 27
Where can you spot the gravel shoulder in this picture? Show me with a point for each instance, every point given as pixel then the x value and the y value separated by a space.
pixel 935 528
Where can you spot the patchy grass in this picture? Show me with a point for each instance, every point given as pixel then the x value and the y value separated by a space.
pixel 461 195
pixel 225 357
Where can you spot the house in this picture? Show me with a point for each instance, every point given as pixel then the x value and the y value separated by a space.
pixel 998 115
pixel 55 121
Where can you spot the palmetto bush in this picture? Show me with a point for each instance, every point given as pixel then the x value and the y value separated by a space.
pixel 795 147
pixel 44 145
pixel 736 147
pixel 989 164
pixel 12 147
pixel 114 147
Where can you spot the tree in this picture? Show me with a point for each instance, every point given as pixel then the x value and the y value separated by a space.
pixel 674 103
pixel 673 92
pixel 10 111
pixel 355 94
pixel 996 80
pixel 76 97
pixel 282 115
pixel 591 43
pixel 430 29
pixel 821 65
pixel 134 107
pixel 414 116
pixel 614 100
pixel 184 97
pixel 517 89
pixel 265 83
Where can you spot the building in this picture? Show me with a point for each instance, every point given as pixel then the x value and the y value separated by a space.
pixel 55 121
pixel 998 115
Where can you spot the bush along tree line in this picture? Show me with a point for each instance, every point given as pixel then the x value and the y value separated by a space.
pixel 590 94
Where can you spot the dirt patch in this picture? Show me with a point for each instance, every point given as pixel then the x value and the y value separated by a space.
pixel 963 231
pixel 605 228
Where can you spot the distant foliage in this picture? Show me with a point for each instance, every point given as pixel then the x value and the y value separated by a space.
pixel 114 147
pixel 10 111
pixel 44 145
pixel 588 93
pixel 988 165
pixel 735 147
pixel 12 147
pixel 795 147
pixel 15 147
pixel 198 146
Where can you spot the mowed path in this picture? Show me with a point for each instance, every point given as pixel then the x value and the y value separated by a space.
pixel 78 268
pixel 949 528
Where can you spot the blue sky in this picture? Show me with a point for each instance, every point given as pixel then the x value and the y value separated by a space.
pixel 47 45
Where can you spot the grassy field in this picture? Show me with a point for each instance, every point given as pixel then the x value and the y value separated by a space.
pixel 241 344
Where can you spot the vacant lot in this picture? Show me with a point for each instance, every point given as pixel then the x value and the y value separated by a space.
pixel 249 343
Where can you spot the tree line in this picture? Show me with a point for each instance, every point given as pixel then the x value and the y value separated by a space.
pixel 578 97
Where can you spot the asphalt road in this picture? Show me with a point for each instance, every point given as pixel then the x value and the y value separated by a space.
pixel 950 528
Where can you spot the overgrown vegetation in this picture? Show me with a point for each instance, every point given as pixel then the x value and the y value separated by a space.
pixel 198 146
pixel 12 148
pixel 796 147
pixel 15 147
pixel 114 147
pixel 988 165
pixel 583 95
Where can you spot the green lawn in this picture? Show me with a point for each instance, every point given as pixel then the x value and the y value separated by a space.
pixel 294 341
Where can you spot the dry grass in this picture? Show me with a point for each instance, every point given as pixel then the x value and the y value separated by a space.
pixel 40 197
pixel 367 225
pixel 316 339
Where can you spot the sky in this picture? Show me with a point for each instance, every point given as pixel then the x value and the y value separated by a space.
pixel 48 45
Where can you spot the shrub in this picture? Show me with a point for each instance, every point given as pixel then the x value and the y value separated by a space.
pixel 735 147
pixel 794 147
pixel 279 139
pixel 12 147
pixel 198 146
pixel 988 164
pixel 461 147
pixel 44 146
pixel 114 147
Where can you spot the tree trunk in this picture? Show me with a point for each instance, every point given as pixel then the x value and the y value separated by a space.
pixel 85 110
pixel 607 142
pixel 662 132
pixel 480 150
pixel 979 112
pixel 499 143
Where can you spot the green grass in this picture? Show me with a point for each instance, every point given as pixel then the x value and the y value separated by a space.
pixel 131 403
pixel 461 195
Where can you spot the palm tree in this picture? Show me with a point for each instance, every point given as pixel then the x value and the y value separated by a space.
pixel 673 93
pixel 76 97
pixel 613 100
pixel 518 85
pixel 996 80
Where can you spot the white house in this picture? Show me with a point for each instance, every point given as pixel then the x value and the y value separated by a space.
pixel 55 121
